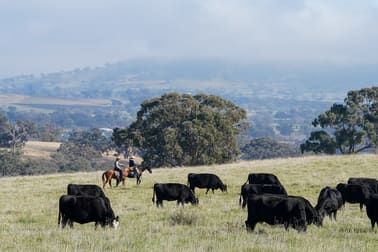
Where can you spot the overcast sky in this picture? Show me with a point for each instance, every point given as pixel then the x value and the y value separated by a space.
pixel 40 36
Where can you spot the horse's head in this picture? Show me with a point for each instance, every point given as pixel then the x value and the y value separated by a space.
pixel 146 168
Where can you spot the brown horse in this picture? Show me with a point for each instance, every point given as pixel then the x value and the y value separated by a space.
pixel 110 174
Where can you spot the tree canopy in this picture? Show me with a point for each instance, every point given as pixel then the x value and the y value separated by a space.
pixel 177 130
pixel 266 148
pixel 351 127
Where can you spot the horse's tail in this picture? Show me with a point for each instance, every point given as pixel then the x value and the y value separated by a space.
pixel 103 176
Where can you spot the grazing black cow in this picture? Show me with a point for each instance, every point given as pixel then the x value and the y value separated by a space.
pixel 371 183
pixel 173 191
pixel 248 189
pixel 372 209
pixel 85 209
pixel 273 209
pixel 264 178
pixel 89 190
pixel 206 180
pixel 312 215
pixel 354 193
pixel 329 202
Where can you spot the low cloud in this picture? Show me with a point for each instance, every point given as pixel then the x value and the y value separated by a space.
pixel 38 36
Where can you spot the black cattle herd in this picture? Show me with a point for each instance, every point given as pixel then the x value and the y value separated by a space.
pixel 263 194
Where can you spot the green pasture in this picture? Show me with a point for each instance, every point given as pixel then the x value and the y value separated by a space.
pixel 29 211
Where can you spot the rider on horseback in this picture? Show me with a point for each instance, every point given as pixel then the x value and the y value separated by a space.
pixel 132 165
pixel 118 167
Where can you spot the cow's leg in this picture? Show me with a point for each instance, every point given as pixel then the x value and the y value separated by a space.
pixel 64 222
pixel 212 190
pixel 250 225
pixel 192 188
pixel 180 201
pixel 70 223
pixel 159 203
pixel 361 206
pixel 288 222
pixel 207 190
pixel 334 215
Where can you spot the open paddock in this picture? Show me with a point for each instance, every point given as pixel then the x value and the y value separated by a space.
pixel 29 212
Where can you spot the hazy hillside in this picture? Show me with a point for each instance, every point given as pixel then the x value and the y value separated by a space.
pixel 281 101
pixel 216 224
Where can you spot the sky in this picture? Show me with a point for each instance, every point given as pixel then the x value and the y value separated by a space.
pixel 41 36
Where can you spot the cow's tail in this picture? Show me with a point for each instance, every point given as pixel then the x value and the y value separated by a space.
pixel 153 196
pixel 240 199
pixel 59 216
pixel 246 182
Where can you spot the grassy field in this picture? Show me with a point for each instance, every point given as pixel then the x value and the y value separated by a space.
pixel 27 103
pixel 38 149
pixel 29 212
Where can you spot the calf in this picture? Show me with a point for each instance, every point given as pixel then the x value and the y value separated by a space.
pixel 248 189
pixel 273 209
pixel 85 209
pixel 173 191
pixel 89 190
pixel 372 209
pixel 353 193
pixel 206 180
pixel 329 202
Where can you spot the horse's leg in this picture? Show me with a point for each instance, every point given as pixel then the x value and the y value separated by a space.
pixel 105 182
pixel 109 178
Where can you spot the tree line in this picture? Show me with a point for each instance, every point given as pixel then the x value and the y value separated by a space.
pixel 184 130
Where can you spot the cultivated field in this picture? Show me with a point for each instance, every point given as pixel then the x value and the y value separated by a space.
pixel 43 104
pixel 29 212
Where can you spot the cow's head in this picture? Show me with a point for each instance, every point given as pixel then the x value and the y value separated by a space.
pixel 194 201
pixel 224 188
pixel 318 220
pixel 114 222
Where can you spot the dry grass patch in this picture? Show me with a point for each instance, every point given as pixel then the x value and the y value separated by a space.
pixel 38 149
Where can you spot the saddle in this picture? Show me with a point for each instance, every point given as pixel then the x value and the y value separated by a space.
pixel 131 174
pixel 117 174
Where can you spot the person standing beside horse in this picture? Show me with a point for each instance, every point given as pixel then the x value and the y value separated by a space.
pixel 119 167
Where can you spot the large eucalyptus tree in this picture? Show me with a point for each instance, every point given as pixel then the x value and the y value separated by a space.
pixel 177 130
pixel 351 127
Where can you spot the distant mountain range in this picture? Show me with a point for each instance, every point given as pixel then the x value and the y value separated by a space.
pixel 299 93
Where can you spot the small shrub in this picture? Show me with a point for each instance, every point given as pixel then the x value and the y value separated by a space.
pixel 183 218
